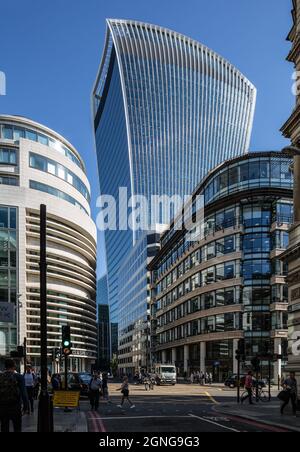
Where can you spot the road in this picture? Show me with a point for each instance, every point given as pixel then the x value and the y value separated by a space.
pixel 183 408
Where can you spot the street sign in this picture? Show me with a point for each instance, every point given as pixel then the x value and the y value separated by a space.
pixel 7 313
pixel 217 364
pixel 66 399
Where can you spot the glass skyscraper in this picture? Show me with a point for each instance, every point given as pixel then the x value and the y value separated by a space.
pixel 166 111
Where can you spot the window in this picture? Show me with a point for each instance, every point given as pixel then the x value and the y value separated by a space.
pixel 51 167
pixel 8 156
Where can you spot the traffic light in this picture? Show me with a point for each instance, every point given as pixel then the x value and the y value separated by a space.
pixel 255 364
pixel 66 340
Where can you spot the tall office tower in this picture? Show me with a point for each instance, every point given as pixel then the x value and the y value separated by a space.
pixel 291 129
pixel 38 166
pixel 166 111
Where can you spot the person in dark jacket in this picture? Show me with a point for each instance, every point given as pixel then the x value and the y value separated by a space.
pixel 12 396
pixel 291 388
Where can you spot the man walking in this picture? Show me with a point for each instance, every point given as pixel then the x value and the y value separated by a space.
pixel 12 395
pixel 29 384
pixel 248 387
pixel 290 386
pixel 95 386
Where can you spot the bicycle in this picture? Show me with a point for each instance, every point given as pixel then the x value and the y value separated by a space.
pixel 260 396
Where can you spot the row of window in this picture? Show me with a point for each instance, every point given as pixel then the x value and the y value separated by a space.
pixel 253 298
pixel 218 248
pixel 212 324
pixel 248 174
pixel 51 167
pixel 214 299
pixel 55 192
pixel 9 132
pixel 216 273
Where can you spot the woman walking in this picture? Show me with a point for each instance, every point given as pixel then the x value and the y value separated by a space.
pixel 125 393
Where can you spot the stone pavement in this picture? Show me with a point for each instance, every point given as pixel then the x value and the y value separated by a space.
pixel 264 412
pixel 73 421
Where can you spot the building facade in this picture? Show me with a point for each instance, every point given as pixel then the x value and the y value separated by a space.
pixel 229 284
pixel 104 346
pixel 166 111
pixel 134 293
pixel 291 130
pixel 38 166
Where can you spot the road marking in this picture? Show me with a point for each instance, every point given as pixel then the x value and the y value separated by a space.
pixel 97 422
pixel 143 417
pixel 212 398
pixel 214 423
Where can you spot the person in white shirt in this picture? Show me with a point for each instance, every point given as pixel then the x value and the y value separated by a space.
pixel 29 384
pixel 95 386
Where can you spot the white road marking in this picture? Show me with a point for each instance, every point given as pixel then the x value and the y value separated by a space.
pixel 214 423
pixel 144 417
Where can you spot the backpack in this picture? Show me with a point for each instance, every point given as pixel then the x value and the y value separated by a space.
pixel 9 389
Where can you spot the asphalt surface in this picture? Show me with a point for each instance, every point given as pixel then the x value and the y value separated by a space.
pixel 170 409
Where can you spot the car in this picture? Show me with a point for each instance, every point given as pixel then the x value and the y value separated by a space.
pixel 77 382
pixel 231 382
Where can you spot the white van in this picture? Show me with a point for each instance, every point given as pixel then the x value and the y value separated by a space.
pixel 165 374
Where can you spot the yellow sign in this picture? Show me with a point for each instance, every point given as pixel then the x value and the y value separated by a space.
pixel 66 399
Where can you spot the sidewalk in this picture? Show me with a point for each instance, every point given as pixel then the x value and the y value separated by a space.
pixel 266 413
pixel 75 421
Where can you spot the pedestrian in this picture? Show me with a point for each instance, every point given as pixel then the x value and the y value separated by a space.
pixel 206 378
pixel 291 387
pixel 55 382
pixel 12 396
pixel 125 393
pixel 192 378
pixel 29 385
pixel 202 379
pixel 94 393
pixel 210 378
pixel 248 386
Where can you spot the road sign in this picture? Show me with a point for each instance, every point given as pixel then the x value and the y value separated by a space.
pixel 66 399
pixel 7 313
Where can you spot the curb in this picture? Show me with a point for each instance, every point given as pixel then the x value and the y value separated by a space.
pixel 261 421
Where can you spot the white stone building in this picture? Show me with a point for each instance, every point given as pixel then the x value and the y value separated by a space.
pixel 38 166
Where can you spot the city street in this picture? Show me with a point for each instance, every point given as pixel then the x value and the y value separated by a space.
pixel 183 408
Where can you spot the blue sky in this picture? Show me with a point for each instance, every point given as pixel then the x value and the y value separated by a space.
pixel 50 52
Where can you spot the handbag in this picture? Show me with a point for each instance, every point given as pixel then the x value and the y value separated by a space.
pixel 284 396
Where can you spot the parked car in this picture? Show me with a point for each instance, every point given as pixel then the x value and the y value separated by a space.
pixel 77 382
pixel 231 382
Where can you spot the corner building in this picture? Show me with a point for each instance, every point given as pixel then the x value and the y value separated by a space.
pixel 38 166
pixel 208 294
pixel 166 111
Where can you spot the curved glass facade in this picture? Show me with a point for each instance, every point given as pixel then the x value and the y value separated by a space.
pixel 167 110
pixel 11 132
pixel 231 283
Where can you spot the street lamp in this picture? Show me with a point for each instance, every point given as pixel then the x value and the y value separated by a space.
pixel 294 151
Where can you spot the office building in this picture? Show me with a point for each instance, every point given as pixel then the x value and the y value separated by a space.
pixel 38 166
pixel 166 111
pixel 230 284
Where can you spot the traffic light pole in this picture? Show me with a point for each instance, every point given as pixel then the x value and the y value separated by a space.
pixel 239 380
pixel 66 372
pixel 44 415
